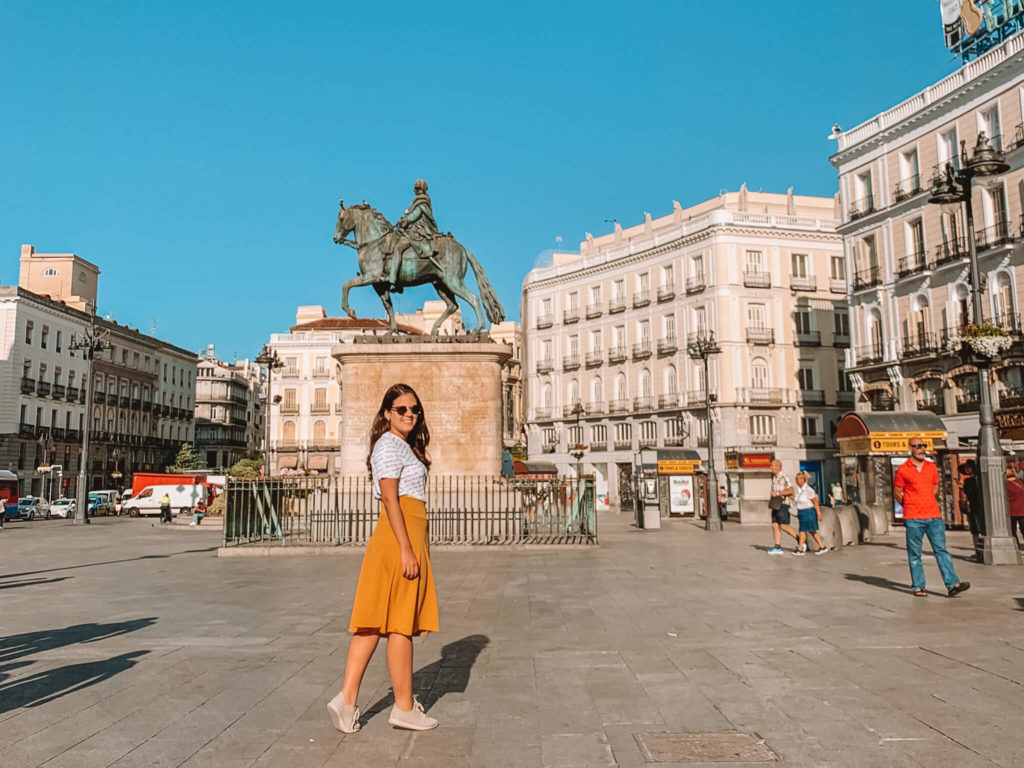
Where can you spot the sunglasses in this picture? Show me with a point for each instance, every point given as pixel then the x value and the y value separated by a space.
pixel 917 445
pixel 401 410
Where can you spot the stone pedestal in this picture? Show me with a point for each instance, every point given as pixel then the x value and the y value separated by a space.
pixel 459 384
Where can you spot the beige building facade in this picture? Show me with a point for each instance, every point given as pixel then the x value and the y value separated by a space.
pixel 229 410
pixel 607 327
pixel 909 274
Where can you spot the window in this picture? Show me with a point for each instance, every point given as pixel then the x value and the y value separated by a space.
pixel 549 436
pixel 863 192
pixel 646 390
pixel 1002 300
pixel 753 262
pixel 674 429
pixel 595 294
pixel 81 277
pixel 135 360
pixel 623 432
pixel 320 399
pixel 291 367
pixel 756 316
pixel 803 321
pixel 595 341
pixel 805 377
pixel 762 426
pixel 44 336
pixel 574 300
pixel 993 202
pixel 671 380
pixel 700 321
pixel 948 148
pixel 289 431
pixel 869 253
pixel 759 378
pixel 643 282
pixel 643 329
pixel 668 325
pixel 545 306
pixel 845 385
pixel 910 172
pixel 697 265
pixel 988 122
pixel 619 290
pixel 50 272
pixel 546 353
pixel 573 395
pixel 842 323
pixel 809 426
pixel 28 332
pixel 575 436
pixel 798 262
pixel 289 399
pixel 596 391
pixel 620 337
pixel 668 278
pixel 58 347
pixel 649 432
pixel 124 361
pixel 599 433
pixel 320 432
pixel 838 267
pixel 621 391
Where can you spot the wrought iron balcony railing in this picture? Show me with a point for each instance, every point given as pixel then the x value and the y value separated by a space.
pixel 837 285
pixel 967 402
pixel 623 445
pixel 841 340
pixel 595 408
pixel 919 345
pixel 545 366
pixel 907 188
pixel 757 279
pixel 617 355
pixel 570 316
pixel 666 293
pixel 1011 397
pixel 696 284
pixel 998 234
pixel 935 406
pixel 545 321
pixel 595 358
pixel 760 335
pixel 862 207
pixel 617 304
pixel 912 264
pixel 870 353
pixel 950 250
pixel 570 362
pixel 867 278
pixel 594 310
pixel 641 350
pixel 618 406
pixel 803 283
pixel 810 396
pixel 808 338
pixel 669 400
pixel 667 345
pixel 643 403
pixel 641 299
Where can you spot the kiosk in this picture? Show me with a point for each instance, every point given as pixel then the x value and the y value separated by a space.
pixel 750 480
pixel 872 445
pixel 669 482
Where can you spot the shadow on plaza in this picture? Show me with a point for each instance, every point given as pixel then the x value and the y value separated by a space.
pixel 15 647
pixel 449 674
pixel 878 581
pixel 43 687
pixel 32 582
pixel 108 562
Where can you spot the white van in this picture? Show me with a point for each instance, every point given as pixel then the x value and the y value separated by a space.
pixel 184 498
pixel 110 496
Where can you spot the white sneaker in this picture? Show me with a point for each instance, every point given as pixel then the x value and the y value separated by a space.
pixel 344 717
pixel 193 523
pixel 821 551
pixel 414 720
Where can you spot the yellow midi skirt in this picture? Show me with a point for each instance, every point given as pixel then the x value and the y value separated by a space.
pixel 385 600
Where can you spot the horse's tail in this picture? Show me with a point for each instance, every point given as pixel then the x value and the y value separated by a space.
pixel 495 312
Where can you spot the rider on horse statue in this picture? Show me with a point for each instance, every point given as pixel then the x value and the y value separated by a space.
pixel 419 230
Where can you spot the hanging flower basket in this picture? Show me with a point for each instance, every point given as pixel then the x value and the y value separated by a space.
pixel 980 341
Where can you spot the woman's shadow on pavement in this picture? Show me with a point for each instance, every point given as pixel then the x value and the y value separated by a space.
pixel 449 674
pixel 878 581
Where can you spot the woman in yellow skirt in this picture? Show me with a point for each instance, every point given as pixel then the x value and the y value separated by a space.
pixel 395 597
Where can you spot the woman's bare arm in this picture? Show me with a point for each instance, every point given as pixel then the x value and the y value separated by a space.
pixel 389 495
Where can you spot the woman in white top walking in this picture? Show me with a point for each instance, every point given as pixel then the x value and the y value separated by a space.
pixel 395 597
pixel 808 512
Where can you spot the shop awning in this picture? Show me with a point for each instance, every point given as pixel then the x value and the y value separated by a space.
pixel 677 461
pixel 317 461
pixel 287 462
pixel 864 432
pixel 535 468
pixel 877 386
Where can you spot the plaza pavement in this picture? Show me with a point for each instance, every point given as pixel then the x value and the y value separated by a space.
pixel 123 644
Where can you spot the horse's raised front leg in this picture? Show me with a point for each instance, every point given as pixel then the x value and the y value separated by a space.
pixel 385 299
pixel 451 307
pixel 356 282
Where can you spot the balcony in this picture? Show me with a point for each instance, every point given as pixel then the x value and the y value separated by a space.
pixel 870 354
pixel 757 279
pixel 696 284
pixel 544 413
pixel 545 321
pixel 136 403
pixel 570 362
pixel 967 402
pixel 125 401
pixel 671 400
pixel 549 447
pixel 919 345
pixel 912 264
pixel 568 411
pixel 290 408
pixel 99 398
pixel 837 285
pixel 72 393
pixel 648 442
pixel 571 315
pixel 643 403
pixel 595 408
pixel 1011 397
pixel 290 373
pixel 81 395
pixel 949 251
pixel 641 350
pixel 598 445
pixel 58 433
pixel 147 406
pixel 841 340
pixel 319 372
pixel 624 445
pixel 74 435
pixel 862 207
pixel 844 399
pixel 315 408
pixel 867 278
pixel 667 346
pixel 907 188
pixel 883 402
pixel 762 395
pixel 1009 321
pixel 998 234
pixel 696 397
pixel 813 441
pixel 934 405
pixel 702 441
pixel 617 304
pixel 545 366
pixel 760 335
pixel 594 310
pixel 1017 141
pixel 28 386
pixel 803 283
pixel 618 406
pixel 675 440
pixel 26 430
pixel 60 391
pixel 666 293
pixel 595 359
pixel 641 299
pixel 763 439
pixel 808 338
pixel 617 355
pixel 810 396
pixel 43 388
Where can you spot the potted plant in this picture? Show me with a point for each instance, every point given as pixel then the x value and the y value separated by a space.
pixel 980 341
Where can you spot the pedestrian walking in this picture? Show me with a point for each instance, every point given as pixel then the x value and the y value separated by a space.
pixel 165 508
pixel 778 505
pixel 915 486
pixel 1015 498
pixel 975 509
pixel 395 596
pixel 808 513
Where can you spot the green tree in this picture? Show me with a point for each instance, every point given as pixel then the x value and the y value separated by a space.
pixel 246 469
pixel 186 461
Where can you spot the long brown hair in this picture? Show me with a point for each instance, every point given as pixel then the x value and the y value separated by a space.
pixel 418 439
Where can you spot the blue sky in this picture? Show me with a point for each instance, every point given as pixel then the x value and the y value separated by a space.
pixel 196 151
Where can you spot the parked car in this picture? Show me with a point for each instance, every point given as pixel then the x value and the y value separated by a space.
pixel 63 508
pixel 31 507
pixel 184 499
pixel 98 504
pixel 111 497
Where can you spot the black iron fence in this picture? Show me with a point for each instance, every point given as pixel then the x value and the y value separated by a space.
pixel 323 510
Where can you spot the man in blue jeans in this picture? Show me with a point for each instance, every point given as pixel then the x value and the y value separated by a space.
pixel 915 485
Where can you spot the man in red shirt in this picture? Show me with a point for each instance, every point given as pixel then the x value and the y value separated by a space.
pixel 916 482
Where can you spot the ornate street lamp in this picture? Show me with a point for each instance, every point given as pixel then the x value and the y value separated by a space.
pixel 89 343
pixel 578 449
pixel 951 188
pixel 701 347
pixel 268 358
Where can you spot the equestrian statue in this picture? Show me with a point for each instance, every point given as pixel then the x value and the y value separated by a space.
pixel 393 257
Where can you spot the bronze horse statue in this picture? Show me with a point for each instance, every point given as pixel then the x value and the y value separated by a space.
pixel 446 272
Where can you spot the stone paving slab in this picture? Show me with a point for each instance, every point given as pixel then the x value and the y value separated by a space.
pixel 121 645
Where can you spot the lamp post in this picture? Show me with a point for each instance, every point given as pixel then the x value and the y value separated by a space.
pixel 578 449
pixel 268 357
pixel 89 343
pixel 702 346
pixel 951 188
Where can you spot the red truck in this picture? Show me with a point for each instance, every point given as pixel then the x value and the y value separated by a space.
pixel 142 480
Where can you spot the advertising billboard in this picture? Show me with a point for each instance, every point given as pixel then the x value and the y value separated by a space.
pixel 972 27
